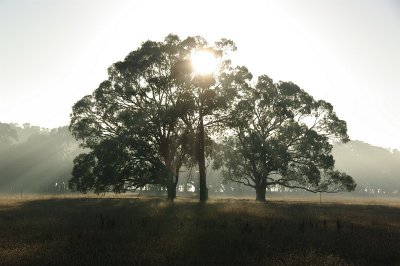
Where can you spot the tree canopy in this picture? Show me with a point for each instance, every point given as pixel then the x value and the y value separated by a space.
pixel 280 135
pixel 140 123
pixel 154 114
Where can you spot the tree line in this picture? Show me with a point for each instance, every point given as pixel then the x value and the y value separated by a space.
pixel 39 160
pixel 376 169
pixel 35 159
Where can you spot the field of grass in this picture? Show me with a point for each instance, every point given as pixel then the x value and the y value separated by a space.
pixel 77 230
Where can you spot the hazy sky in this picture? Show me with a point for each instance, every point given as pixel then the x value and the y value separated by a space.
pixel 344 51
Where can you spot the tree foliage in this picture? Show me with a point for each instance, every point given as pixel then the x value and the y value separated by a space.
pixel 282 136
pixel 140 124
pixel 153 115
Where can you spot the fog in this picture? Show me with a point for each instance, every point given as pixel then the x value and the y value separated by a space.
pixel 39 160
pixel 34 159
pixel 376 170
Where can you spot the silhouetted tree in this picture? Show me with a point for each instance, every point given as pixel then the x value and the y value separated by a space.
pixel 212 94
pixel 281 136
pixel 140 124
pixel 131 123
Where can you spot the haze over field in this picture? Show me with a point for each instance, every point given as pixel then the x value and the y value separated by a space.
pixel 41 161
pixel 346 52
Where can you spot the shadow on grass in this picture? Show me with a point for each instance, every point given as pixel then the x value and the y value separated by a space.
pixel 152 231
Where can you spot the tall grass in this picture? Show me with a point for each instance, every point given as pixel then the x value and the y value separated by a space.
pixel 151 231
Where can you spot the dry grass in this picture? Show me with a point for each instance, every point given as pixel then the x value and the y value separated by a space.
pixel 92 230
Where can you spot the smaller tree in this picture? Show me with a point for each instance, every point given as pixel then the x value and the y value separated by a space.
pixel 282 136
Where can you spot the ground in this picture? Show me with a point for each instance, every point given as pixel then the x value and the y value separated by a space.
pixel 130 230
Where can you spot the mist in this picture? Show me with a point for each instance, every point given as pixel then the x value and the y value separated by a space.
pixel 34 159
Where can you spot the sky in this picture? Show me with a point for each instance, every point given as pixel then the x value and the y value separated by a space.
pixel 347 52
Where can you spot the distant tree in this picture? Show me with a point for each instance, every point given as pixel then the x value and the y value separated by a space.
pixel 140 124
pixel 375 169
pixel 42 162
pixel 281 136
pixel 8 134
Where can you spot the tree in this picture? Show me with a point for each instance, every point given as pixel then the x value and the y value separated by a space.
pixel 212 94
pixel 282 136
pixel 140 123
pixel 8 134
pixel 131 123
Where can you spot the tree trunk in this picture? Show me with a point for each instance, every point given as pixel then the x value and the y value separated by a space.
pixel 171 187
pixel 202 161
pixel 171 190
pixel 260 192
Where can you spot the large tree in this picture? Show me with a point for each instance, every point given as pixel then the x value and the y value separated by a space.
pixel 140 124
pixel 280 135
pixel 212 94
pixel 131 123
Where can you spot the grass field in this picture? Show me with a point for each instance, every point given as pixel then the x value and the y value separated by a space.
pixel 77 230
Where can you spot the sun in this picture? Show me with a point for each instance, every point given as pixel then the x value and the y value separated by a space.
pixel 204 62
